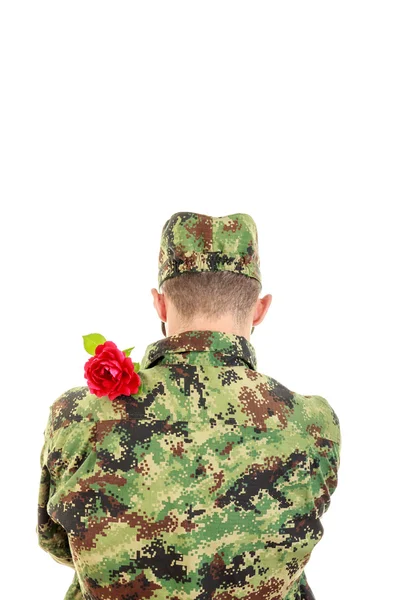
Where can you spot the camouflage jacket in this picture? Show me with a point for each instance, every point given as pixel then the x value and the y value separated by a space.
pixel 210 483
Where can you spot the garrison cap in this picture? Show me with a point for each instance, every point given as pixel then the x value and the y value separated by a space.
pixel 193 242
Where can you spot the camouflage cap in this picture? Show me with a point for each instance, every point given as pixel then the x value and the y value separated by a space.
pixel 193 242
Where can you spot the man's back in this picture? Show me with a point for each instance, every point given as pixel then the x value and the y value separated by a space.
pixel 209 484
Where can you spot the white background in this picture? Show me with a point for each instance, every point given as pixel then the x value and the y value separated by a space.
pixel 114 116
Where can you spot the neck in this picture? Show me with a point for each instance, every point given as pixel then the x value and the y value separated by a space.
pixel 225 324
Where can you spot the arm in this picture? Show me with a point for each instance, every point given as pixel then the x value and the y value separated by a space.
pixel 51 536
pixel 324 472
pixel 325 456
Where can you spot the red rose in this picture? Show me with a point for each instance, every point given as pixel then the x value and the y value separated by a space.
pixel 111 373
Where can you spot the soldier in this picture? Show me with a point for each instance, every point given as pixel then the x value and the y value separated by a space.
pixel 211 481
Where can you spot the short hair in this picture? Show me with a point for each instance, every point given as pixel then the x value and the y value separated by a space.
pixel 212 294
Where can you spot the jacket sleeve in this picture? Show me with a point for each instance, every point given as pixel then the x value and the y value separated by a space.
pixel 51 536
pixel 325 455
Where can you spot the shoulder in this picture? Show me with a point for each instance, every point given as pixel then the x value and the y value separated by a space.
pixel 78 405
pixel 312 413
pixel 322 420
pixel 71 406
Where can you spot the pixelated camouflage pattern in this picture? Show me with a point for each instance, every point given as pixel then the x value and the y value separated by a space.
pixel 192 242
pixel 211 483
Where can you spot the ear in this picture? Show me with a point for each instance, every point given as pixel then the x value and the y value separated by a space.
pixel 159 304
pixel 261 309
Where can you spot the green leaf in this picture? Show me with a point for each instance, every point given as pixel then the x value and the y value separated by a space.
pixel 139 390
pixel 91 341
pixel 128 351
pixel 137 366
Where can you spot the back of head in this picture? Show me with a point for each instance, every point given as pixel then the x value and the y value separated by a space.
pixel 212 295
pixel 209 266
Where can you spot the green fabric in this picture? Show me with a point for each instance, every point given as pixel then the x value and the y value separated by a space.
pixel 193 242
pixel 209 484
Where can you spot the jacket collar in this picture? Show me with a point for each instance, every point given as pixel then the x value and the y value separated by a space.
pixel 219 348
